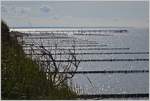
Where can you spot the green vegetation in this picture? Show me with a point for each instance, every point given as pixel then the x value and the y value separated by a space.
pixel 20 76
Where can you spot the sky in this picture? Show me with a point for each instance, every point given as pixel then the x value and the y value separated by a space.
pixel 75 13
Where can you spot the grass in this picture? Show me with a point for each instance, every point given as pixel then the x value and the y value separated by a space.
pixel 20 76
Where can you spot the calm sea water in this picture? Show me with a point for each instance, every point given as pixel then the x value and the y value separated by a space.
pixel 135 40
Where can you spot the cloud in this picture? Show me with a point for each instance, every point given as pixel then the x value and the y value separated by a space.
pixel 23 11
pixel 4 10
pixel 45 9
pixel 120 22
pixel 59 15
pixel 48 22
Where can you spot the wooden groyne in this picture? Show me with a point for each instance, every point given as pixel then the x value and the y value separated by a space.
pixel 113 96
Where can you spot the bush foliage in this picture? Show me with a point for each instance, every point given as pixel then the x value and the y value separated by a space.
pixel 20 76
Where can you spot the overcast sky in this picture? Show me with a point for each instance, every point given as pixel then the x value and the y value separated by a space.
pixel 75 13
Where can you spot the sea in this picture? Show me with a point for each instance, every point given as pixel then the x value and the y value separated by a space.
pixel 101 43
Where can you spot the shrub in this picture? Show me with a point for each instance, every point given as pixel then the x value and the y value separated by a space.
pixel 21 78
